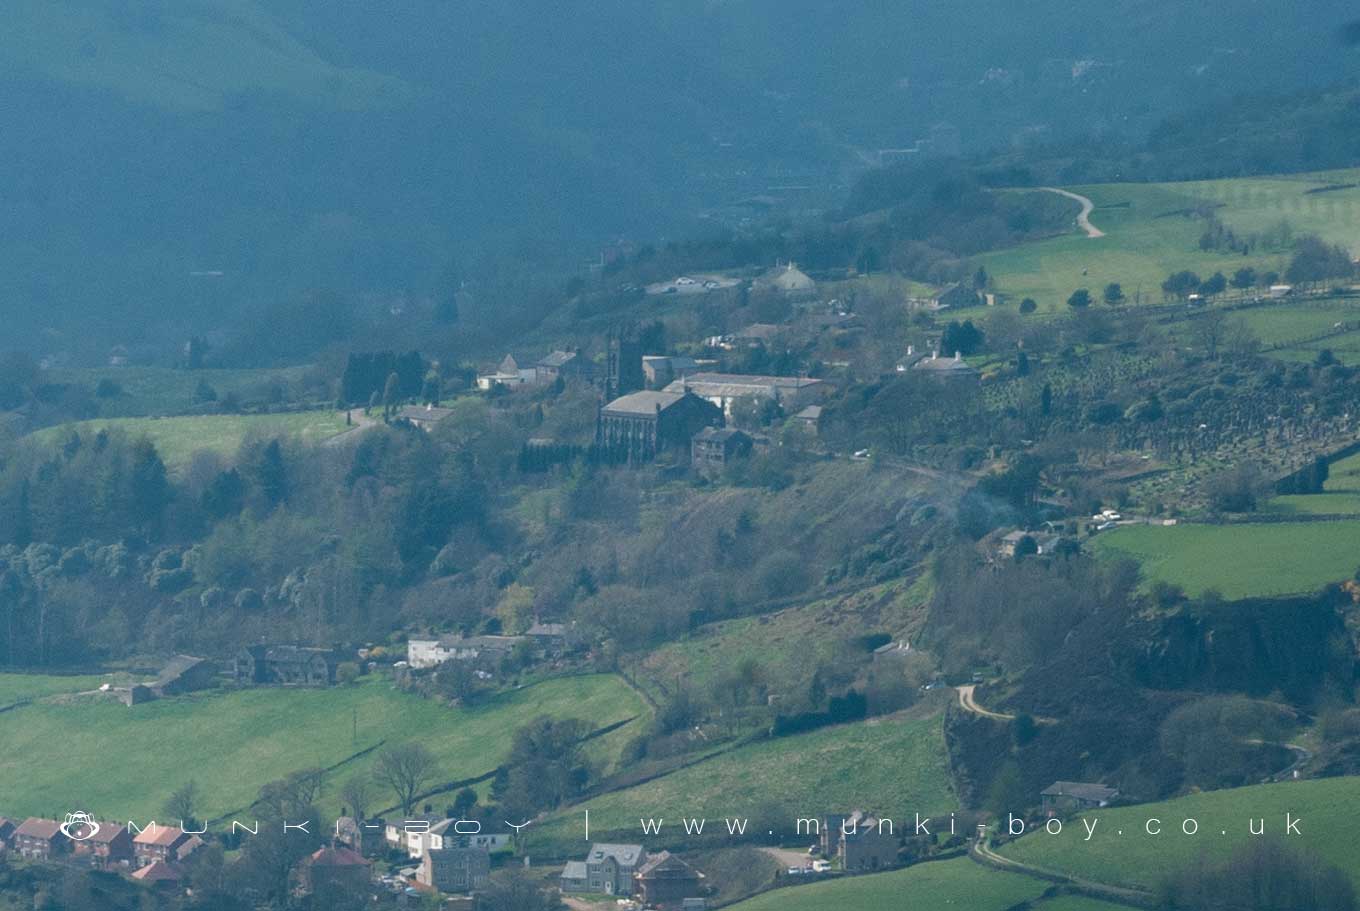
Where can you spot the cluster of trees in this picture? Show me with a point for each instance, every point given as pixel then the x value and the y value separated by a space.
pixel 368 377
pixel 1263 875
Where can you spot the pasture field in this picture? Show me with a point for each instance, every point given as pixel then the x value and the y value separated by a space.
pixel 1285 321
pixel 783 645
pixel 957 883
pixel 1329 829
pixel 18 687
pixel 1344 476
pixel 1148 234
pixel 178 438
pixel 899 766
pixel 120 762
pixel 146 391
pixel 1333 504
pixel 1241 561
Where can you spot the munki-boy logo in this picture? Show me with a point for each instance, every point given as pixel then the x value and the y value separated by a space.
pixel 79 826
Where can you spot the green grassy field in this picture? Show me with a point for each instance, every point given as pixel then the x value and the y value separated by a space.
pixel 1334 504
pixel 1344 476
pixel 1241 561
pixel 957 883
pixel 149 391
pixel 121 763
pixel 17 687
pixel 1145 240
pixel 899 767
pixel 1329 829
pixel 178 438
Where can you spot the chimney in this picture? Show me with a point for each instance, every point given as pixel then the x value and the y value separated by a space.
pixel 911 349
pixel 957 357
pixel 934 354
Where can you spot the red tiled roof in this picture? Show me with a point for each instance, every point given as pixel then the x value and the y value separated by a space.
pixel 39 828
pixel 157 872
pixel 107 833
pixel 166 836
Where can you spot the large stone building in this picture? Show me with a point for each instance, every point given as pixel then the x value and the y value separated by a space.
pixel 791 393
pixel 455 869
pixel 642 424
pixel 292 664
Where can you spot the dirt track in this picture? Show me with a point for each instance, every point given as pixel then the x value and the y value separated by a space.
pixel 1084 217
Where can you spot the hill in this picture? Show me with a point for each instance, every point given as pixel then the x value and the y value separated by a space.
pixel 782 645
pixel 1153 230
pixel 114 762
pixel 1135 858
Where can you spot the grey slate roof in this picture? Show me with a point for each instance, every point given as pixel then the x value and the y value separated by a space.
pixel 624 855
pixel 643 403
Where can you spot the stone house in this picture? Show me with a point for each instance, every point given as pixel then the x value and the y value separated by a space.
pixel 286 664
pixel 713 447
pixel 336 870
pixel 455 869
pixel 610 868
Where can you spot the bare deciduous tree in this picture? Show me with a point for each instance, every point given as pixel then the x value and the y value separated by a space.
pixel 405 768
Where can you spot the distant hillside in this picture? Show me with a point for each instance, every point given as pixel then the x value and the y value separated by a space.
pixel 376 151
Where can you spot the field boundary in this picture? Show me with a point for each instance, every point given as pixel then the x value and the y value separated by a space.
pixel 981 854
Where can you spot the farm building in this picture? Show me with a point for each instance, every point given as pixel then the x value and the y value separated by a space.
pixel 575 877
pixel 424 416
pixel 1073 796
pixel 184 674
pixel 286 664
pixel 665 881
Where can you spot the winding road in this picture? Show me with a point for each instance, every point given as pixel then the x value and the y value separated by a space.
pixel 1083 217
pixel 969 704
